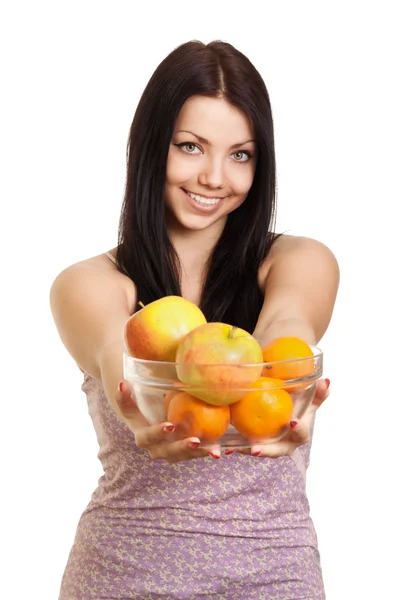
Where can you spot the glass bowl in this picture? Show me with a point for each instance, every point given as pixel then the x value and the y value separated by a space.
pixel 233 406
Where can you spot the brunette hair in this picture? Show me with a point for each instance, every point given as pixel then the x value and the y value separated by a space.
pixel 145 253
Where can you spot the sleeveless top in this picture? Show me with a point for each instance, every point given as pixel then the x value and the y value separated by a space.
pixel 237 528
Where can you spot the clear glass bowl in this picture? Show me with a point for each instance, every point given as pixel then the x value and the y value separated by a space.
pixel 226 385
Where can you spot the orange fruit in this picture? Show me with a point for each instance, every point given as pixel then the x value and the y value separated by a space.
pixel 263 411
pixel 194 417
pixel 288 349
pixel 168 398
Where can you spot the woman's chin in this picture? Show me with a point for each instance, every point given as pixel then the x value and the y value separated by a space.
pixel 197 223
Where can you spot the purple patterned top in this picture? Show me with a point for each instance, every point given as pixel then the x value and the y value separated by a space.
pixel 233 529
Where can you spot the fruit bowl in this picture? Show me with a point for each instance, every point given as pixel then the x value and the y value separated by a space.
pixel 230 405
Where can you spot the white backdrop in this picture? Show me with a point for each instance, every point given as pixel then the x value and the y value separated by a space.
pixel 72 74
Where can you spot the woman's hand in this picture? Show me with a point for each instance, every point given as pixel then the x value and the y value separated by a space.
pixel 157 439
pixel 298 431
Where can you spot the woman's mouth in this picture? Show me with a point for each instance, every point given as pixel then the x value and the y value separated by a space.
pixel 204 201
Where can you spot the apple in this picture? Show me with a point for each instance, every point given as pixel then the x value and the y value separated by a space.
pixel 155 331
pixel 216 361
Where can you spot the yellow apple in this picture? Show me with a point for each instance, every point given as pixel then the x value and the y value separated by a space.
pixel 154 332
pixel 218 362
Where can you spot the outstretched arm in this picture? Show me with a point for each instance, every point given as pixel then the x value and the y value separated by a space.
pixel 300 291
pixel 300 288
pixel 90 305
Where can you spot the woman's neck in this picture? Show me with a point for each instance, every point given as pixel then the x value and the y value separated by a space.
pixel 194 241
pixel 194 248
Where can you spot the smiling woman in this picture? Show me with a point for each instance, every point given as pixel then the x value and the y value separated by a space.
pixel 197 221
pixel 213 170
pixel 206 146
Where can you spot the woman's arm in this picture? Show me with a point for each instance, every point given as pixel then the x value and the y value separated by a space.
pixel 90 307
pixel 91 304
pixel 301 279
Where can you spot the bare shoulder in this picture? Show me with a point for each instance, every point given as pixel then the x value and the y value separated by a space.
pixel 102 272
pixel 90 302
pixel 293 244
pixel 289 253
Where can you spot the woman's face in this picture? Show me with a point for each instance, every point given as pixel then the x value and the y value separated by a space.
pixel 211 163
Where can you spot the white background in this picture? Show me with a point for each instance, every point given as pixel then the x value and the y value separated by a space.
pixel 72 74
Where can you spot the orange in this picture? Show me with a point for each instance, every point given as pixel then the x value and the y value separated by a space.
pixel 168 398
pixel 264 411
pixel 288 349
pixel 194 417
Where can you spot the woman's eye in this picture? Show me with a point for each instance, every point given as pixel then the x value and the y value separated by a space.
pixel 188 147
pixel 192 148
pixel 241 156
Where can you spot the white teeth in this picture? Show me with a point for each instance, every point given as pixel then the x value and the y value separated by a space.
pixel 204 201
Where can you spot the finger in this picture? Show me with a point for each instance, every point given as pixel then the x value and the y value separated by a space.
pixel 274 450
pixel 297 435
pixel 229 450
pixel 187 449
pixel 322 392
pixel 238 450
pixel 214 451
pixel 299 430
pixel 128 407
pixel 125 400
pixel 149 435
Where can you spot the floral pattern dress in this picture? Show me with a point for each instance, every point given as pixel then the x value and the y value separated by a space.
pixel 232 529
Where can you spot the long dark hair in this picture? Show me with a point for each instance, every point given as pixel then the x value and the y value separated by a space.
pixel 145 253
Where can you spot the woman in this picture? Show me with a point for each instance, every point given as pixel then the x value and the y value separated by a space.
pixel 197 221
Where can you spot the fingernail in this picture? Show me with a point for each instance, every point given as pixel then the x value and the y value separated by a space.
pixel 120 386
pixel 194 444
pixel 328 382
pixel 228 452
pixel 216 456
pixel 256 453
pixel 293 424
pixel 169 428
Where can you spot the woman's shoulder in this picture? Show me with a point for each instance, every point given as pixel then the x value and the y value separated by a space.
pixel 287 248
pixel 284 243
pixel 103 267
pixel 102 263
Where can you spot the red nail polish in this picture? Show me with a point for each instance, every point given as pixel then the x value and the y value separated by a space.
pixel 328 382
pixel 194 444
pixel 256 453
pixel 214 455
pixel 293 424
pixel 169 428
pixel 228 452
pixel 120 385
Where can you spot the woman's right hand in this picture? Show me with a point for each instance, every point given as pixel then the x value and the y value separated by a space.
pixel 156 438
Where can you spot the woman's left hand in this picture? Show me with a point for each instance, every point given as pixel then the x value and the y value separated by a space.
pixel 298 431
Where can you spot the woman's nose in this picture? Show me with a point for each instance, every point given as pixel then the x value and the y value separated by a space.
pixel 212 174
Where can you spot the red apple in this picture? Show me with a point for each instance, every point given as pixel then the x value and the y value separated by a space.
pixel 218 362
pixel 155 331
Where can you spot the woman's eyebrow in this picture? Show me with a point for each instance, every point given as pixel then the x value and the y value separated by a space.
pixel 204 141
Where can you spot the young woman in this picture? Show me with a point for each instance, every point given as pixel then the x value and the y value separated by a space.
pixel 197 221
